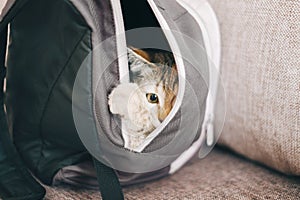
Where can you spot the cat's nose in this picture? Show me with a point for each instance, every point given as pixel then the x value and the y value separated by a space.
pixel 163 114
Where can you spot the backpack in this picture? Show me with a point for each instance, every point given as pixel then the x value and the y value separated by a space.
pixel 63 59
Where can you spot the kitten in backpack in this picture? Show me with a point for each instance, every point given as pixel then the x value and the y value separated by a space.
pixel 147 100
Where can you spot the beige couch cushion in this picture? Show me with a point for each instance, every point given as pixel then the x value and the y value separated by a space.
pixel 261 74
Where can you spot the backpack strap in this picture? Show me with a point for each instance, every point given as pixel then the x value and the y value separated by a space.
pixel 108 180
pixel 16 182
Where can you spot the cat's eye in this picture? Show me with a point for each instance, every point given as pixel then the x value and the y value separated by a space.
pixel 152 98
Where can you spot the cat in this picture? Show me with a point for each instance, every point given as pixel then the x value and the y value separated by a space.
pixel 147 100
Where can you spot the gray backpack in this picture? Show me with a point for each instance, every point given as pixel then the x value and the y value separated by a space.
pixel 63 59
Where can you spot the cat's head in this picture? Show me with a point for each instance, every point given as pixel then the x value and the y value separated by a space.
pixel 145 102
pixel 156 75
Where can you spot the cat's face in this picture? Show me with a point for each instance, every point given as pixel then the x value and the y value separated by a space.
pixel 145 102
pixel 157 81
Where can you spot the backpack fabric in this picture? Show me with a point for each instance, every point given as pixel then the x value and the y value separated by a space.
pixel 56 87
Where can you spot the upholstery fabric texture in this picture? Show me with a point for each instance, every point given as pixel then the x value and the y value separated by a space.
pixel 261 76
pixel 221 175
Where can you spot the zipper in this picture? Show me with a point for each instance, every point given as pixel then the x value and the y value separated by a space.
pixel 214 54
pixel 181 71
pixel 121 41
pixel 121 52
pixel 208 23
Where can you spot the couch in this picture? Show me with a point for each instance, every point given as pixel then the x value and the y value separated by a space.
pixel 221 175
pixel 258 155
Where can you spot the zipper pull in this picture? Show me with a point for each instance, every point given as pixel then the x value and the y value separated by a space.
pixel 209 129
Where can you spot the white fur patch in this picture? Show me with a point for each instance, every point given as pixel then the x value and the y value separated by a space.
pixel 138 116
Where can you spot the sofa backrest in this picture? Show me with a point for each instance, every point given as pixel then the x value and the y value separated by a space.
pixel 261 74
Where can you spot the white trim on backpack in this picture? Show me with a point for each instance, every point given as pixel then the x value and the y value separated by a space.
pixel 207 20
pixel 121 51
pixel 181 71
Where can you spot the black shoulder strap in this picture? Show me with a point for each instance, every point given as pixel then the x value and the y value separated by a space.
pixel 16 181
pixel 109 184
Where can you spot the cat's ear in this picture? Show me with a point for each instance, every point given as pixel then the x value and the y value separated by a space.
pixel 137 57
pixel 139 66
pixel 141 53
